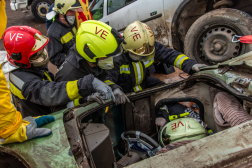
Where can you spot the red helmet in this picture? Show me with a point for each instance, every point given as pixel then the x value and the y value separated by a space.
pixel 21 42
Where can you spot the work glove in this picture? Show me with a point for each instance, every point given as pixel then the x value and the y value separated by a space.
pixel 120 97
pixel 104 90
pixel 30 129
pixel 95 97
pixel 160 122
pixel 196 67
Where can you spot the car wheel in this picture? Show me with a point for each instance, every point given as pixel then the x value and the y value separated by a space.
pixel 40 8
pixel 209 39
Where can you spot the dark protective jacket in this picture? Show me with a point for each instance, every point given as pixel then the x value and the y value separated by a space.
pixel 175 109
pixel 134 76
pixel 61 39
pixel 37 93
pixel 76 67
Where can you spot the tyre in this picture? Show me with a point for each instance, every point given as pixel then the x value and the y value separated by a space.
pixel 209 39
pixel 40 8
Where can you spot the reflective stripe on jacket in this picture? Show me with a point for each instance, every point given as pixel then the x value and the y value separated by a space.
pixel 134 76
pixel 61 39
pixel 36 92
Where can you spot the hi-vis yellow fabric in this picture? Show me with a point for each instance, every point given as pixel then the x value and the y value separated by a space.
pixel 72 90
pixel 3 18
pixel 10 119
pixel 19 135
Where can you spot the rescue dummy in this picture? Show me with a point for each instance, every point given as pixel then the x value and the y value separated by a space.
pixel 12 127
pixel 132 70
pixel 32 86
pixel 63 30
pixel 96 45
pixel 227 112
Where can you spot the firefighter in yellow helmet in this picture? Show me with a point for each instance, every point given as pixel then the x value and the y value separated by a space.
pixel 132 71
pixel 96 45
pixel 63 30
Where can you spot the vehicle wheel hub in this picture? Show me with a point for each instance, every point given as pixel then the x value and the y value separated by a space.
pixel 43 8
pixel 216 45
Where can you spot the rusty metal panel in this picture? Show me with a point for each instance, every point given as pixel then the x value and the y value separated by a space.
pixel 229 148
pixel 49 151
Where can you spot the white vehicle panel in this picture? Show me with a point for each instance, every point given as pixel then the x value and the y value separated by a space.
pixel 18 4
pixel 136 10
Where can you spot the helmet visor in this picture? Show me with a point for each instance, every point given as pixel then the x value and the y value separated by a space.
pixel 80 9
pixel 145 50
pixel 39 59
pixel 76 7
pixel 40 42
pixel 137 57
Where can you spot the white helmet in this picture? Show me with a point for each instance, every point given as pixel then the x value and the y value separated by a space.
pixel 180 130
pixel 139 41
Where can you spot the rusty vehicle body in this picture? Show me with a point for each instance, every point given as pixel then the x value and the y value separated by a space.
pixel 77 141
pixel 203 29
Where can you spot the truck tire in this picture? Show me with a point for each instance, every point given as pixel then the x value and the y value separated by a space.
pixel 209 39
pixel 40 8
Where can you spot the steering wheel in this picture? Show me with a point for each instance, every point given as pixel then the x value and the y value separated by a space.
pixel 138 142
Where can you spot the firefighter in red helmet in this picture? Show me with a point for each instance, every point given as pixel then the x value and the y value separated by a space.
pixel 31 84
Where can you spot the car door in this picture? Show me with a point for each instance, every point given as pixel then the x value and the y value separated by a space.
pixel 120 13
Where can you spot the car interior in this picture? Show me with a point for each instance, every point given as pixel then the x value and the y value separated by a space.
pixel 117 136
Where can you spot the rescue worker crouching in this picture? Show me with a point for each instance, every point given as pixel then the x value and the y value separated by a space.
pixel 32 85
pixel 96 45
pixel 63 30
pixel 14 128
pixel 132 70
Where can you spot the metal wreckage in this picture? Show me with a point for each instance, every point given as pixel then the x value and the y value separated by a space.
pixel 78 141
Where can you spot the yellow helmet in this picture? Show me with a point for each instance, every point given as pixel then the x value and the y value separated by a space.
pixel 62 6
pixel 139 41
pixel 96 39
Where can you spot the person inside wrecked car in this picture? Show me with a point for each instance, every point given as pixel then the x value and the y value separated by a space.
pixel 132 70
pixel 95 41
pixel 31 84
pixel 227 111
pixel 63 30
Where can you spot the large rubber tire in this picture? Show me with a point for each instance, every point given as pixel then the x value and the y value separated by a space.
pixel 210 25
pixel 40 8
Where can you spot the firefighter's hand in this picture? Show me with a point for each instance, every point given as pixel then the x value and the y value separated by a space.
pixel 95 97
pixel 196 67
pixel 160 122
pixel 30 129
pixel 120 97
pixel 104 90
